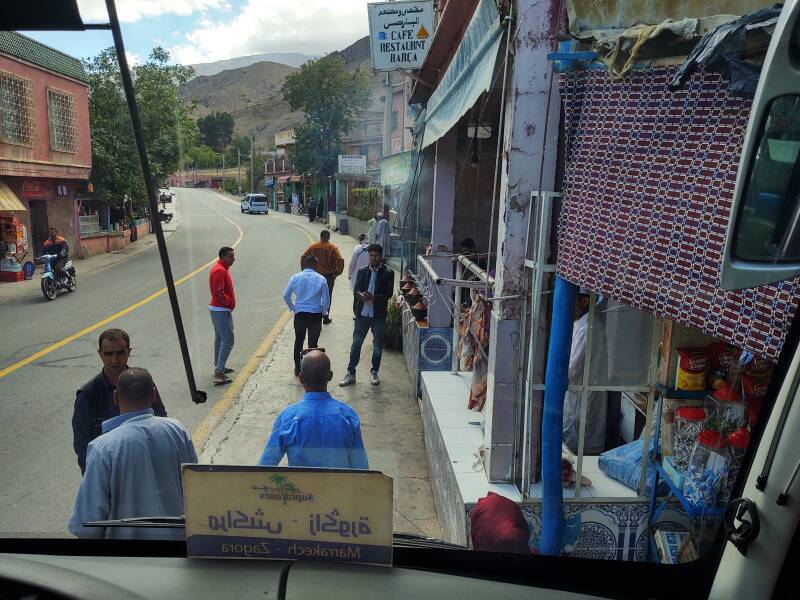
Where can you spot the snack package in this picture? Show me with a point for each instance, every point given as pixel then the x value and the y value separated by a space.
pixel 721 357
pixel 759 368
pixel 754 390
pixel 690 375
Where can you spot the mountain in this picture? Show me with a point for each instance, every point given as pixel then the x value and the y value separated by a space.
pixel 251 94
pixel 292 59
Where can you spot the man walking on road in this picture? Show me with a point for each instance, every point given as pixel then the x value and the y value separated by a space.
pixel 382 233
pixel 311 304
pixel 330 262
pixel 372 225
pixel 134 468
pixel 318 431
pixel 223 301
pixel 374 286
pixel 359 258
pixel 94 402
pixel 312 210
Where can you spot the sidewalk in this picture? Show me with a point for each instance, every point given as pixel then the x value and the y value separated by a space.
pixel 10 291
pixel 390 417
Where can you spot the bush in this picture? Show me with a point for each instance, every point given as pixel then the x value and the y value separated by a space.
pixel 365 202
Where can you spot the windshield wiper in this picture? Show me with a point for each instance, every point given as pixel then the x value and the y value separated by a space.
pixel 405 540
pixel 155 522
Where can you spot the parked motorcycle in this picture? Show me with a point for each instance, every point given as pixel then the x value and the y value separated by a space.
pixel 164 216
pixel 54 280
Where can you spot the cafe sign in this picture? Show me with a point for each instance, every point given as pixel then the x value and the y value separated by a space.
pixel 288 513
pixel 400 34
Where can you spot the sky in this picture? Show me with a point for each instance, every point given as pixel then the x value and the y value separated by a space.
pixel 196 31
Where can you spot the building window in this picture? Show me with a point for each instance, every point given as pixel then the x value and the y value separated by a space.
pixel 17 125
pixel 394 119
pixel 61 112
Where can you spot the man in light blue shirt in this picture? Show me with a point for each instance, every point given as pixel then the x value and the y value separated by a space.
pixel 318 431
pixel 134 468
pixel 311 303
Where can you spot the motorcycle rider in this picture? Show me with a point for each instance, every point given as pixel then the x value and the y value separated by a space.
pixel 57 245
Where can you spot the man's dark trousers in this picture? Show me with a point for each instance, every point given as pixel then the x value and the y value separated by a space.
pixel 305 322
pixel 330 279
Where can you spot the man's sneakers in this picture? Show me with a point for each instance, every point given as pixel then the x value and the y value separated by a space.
pixel 327 321
pixel 348 379
pixel 373 378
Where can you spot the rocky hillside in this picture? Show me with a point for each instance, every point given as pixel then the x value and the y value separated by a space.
pixel 291 59
pixel 252 94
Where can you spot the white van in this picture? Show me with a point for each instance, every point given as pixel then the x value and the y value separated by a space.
pixel 255 203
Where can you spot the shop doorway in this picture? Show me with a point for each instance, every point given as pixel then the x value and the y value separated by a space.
pixel 38 233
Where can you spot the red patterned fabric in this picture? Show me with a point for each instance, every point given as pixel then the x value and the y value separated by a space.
pixel 647 193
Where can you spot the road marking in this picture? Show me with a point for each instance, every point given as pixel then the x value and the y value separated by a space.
pixel 218 411
pixel 78 334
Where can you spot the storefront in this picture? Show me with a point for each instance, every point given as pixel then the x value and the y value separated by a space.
pixel 645 175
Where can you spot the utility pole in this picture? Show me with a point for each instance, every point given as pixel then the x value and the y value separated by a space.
pixel 252 172
pixel 239 168
pixel 223 169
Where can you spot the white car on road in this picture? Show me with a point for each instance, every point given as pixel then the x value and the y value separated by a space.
pixel 255 203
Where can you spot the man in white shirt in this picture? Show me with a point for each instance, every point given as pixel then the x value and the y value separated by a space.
pixel 597 402
pixel 359 258
pixel 134 468
pixel 372 225
pixel 311 303
pixel 382 234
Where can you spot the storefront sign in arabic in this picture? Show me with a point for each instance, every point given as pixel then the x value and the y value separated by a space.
pixel 352 164
pixel 400 34
pixel 284 513
pixel 33 188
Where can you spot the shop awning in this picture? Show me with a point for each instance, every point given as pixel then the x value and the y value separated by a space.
pixel 9 200
pixel 469 74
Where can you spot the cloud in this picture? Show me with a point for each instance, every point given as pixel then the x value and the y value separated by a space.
pixel 305 26
pixel 133 10
pixel 133 59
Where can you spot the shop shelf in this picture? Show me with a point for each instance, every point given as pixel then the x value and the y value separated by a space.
pixel 674 394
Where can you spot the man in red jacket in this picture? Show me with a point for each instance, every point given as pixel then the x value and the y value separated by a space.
pixel 223 301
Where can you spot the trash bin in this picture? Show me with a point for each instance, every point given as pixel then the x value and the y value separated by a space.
pixel 341 221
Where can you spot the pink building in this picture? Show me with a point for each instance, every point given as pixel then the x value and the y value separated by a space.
pixel 45 147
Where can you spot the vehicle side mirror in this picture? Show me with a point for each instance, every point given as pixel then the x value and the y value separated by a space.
pixel 763 239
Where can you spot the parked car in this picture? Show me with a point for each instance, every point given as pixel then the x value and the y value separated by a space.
pixel 255 203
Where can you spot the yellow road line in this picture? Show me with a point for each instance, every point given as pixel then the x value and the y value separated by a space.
pixel 215 415
pixel 78 334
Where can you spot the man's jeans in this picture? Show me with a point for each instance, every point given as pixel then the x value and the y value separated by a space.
pixel 223 337
pixel 362 326
pixel 305 322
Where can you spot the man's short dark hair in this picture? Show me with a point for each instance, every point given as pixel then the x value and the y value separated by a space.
pixel 112 335
pixel 135 385
pixel 375 248
pixel 325 233
pixel 362 237
pixel 316 370
pixel 310 261
pixel 223 252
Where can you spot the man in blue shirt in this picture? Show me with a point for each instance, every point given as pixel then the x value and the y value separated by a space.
pixel 318 431
pixel 134 468
pixel 311 304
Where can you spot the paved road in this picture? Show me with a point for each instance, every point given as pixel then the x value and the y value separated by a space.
pixel 38 470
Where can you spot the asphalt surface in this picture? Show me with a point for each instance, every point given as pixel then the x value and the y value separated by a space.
pixel 38 469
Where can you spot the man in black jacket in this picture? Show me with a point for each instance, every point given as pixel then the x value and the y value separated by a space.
pixel 94 402
pixel 373 287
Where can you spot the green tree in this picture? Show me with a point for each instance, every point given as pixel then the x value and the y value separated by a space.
pixel 330 98
pixel 166 125
pixel 216 129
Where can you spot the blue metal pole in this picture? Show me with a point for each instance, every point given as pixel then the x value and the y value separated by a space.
pixel 556 381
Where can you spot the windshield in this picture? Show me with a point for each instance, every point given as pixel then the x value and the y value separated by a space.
pixel 408 287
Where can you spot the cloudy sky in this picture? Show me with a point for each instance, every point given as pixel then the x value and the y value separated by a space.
pixel 208 30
